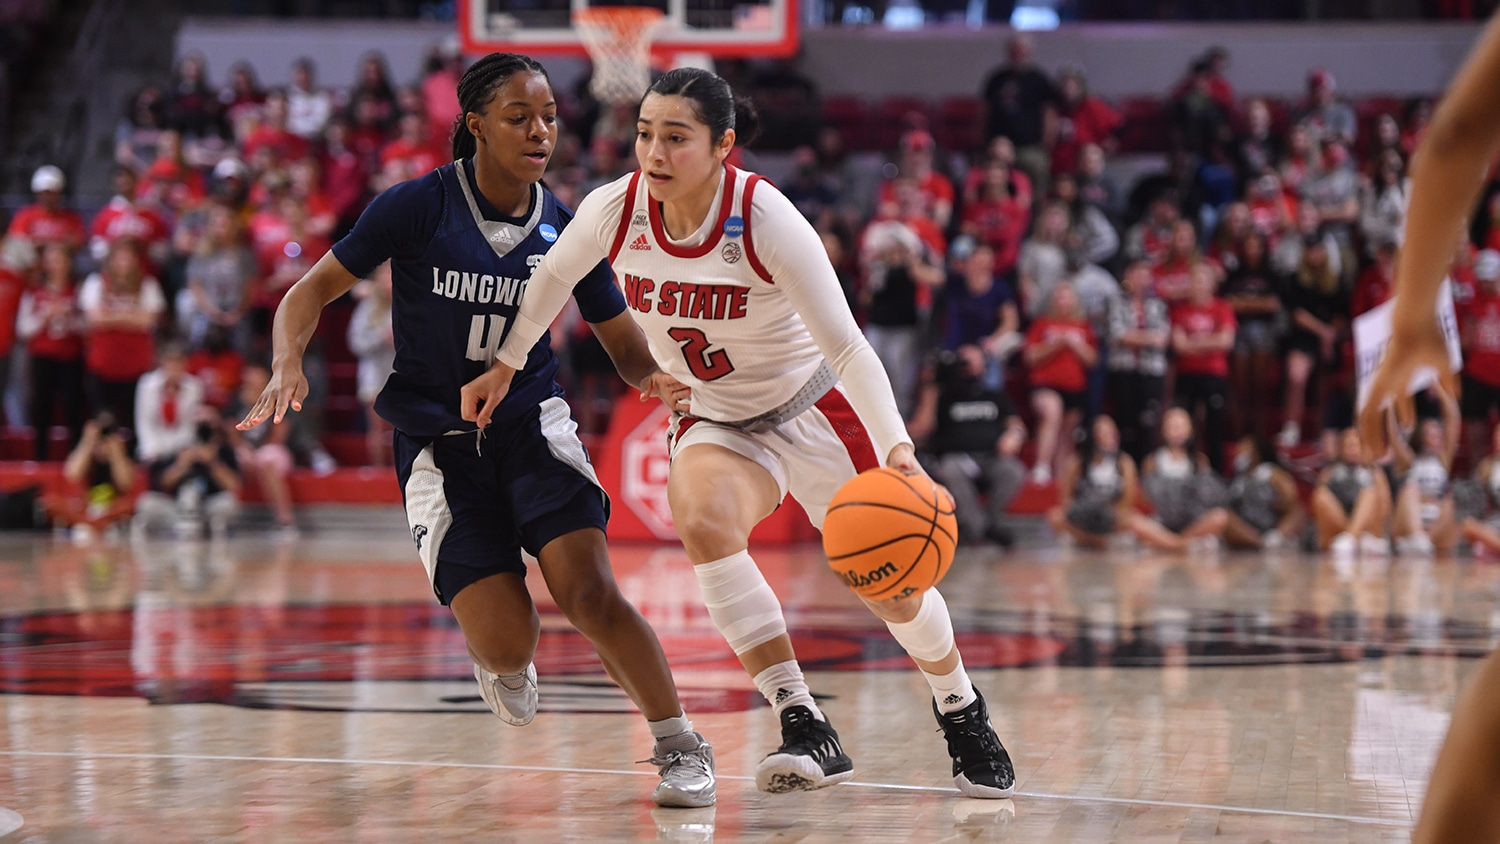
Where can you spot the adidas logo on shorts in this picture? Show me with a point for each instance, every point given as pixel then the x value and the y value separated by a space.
pixel 641 244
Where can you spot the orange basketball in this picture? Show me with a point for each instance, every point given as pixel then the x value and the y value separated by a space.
pixel 890 535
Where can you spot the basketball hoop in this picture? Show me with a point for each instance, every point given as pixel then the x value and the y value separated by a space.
pixel 618 39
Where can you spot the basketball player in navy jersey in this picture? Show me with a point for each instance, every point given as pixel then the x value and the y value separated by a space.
pixel 1448 171
pixel 463 241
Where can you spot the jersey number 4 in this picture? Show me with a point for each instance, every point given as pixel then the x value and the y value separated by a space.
pixel 705 365
pixel 485 331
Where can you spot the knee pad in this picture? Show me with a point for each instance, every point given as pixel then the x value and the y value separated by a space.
pixel 740 602
pixel 929 636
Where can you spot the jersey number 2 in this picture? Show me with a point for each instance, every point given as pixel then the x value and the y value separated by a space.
pixel 706 365
pixel 485 331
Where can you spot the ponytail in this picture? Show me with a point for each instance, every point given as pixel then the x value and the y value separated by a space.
pixel 714 103
pixel 478 85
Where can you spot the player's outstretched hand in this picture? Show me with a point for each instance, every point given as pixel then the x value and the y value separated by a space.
pixel 1408 352
pixel 673 393
pixel 285 391
pixel 479 398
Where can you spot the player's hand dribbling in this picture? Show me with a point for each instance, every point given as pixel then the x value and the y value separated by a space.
pixel 1407 353
pixel 285 391
pixel 903 458
pixel 673 393
pixel 479 398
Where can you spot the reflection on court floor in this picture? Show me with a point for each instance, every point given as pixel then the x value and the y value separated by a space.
pixel 259 691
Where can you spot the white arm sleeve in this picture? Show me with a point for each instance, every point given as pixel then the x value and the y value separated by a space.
pixel 791 251
pixel 579 248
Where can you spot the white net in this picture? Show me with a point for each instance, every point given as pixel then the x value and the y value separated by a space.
pixel 618 39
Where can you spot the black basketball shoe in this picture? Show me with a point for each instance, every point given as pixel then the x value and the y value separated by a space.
pixel 981 767
pixel 810 756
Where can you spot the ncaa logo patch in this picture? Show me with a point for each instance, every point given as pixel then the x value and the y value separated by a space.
pixel 734 226
pixel 639 221
pixel 731 253
pixel 547 232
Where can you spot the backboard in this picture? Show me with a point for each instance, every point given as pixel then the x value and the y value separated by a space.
pixel 720 28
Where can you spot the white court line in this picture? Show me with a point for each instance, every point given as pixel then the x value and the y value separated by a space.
pixel 406 763
pixel 10 821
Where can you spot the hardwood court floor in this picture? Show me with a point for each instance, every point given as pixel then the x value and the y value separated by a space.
pixel 313 691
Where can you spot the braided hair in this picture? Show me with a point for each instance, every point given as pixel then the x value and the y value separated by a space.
pixel 478 85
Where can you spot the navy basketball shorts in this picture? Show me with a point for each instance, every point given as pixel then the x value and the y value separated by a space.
pixel 473 501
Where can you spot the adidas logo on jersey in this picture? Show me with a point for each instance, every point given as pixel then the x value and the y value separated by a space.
pixel 641 244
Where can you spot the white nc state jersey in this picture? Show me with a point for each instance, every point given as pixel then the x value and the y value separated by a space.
pixel 711 312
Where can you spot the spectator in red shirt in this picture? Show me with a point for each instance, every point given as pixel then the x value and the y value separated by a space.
pixel 1203 329
pixel 122 307
pixel 439 86
pixel 1060 349
pixel 243 100
pixel 1479 324
pixel 272 134
pixel 413 148
pixel 307 188
pixel 917 150
pixel 284 259
pixel 366 132
pixel 1378 281
pixel 170 183
pixel 345 175
pixel 1209 70
pixel 1172 270
pixel 1271 210
pixel 123 216
pixel 997 218
pixel 46 220
pixel 1082 118
pixel 17 260
pixel 1003 150
pixel 52 325
pixel 217 365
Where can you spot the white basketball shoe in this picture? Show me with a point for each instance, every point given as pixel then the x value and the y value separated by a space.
pixel 512 697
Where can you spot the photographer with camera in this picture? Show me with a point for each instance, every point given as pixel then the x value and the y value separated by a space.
pixel 198 485
pixel 100 476
pixel 972 442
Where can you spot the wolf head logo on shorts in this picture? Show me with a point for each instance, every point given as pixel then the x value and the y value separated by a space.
pixel 419 533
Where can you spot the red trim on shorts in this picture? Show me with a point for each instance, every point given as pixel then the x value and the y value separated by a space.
pixel 625 214
pixel 748 209
pixel 851 430
pixel 725 206
pixel 674 435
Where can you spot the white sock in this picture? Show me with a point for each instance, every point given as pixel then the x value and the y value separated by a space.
pixel 929 638
pixel 952 691
pixel 783 686
pixel 673 733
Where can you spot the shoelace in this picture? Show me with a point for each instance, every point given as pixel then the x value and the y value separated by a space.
pixel 967 733
pixel 673 758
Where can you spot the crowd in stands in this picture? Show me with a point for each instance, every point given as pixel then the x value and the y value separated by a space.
pixel 1042 323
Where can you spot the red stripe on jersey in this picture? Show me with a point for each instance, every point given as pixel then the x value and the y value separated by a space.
pixel 846 424
pixel 725 206
pixel 749 211
pixel 625 213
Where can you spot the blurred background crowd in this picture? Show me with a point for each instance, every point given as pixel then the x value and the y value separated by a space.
pixel 1017 277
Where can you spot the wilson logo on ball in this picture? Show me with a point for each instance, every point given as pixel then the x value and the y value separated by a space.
pixel 859 581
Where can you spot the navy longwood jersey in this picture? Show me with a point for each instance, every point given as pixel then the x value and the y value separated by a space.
pixel 459 269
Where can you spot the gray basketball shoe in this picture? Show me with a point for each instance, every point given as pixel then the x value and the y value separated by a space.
pixel 687 777
pixel 512 696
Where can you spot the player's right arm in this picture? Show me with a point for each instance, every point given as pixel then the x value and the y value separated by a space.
pixel 396 224
pixel 1448 171
pixel 296 319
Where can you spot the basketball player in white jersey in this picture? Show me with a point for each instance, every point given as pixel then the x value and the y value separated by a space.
pixel 736 297
pixel 1463 796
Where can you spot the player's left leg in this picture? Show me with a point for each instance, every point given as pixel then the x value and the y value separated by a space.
pixel 576 568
